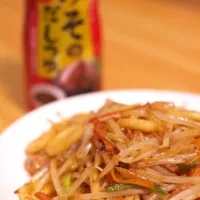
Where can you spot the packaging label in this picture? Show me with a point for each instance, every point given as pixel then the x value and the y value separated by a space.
pixel 62 49
pixel 64 35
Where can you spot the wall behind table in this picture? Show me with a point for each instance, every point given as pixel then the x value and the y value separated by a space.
pixel 151 44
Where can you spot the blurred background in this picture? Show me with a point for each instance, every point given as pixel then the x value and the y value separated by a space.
pixel 146 44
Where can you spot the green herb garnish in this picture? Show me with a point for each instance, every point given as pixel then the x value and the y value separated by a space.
pixel 66 182
pixel 118 187
pixel 159 190
pixel 186 166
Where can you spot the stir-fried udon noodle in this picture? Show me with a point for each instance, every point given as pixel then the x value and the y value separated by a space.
pixel 120 152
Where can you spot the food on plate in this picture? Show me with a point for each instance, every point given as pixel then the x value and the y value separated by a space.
pixel 120 152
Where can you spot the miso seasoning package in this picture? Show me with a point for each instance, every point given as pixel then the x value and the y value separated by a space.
pixel 62 49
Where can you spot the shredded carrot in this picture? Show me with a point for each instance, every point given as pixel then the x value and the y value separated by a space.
pixel 126 173
pixel 105 157
pixel 133 180
pixel 108 146
pixel 119 198
pixel 197 143
pixel 100 130
pixel 114 115
pixel 195 171
pixel 110 179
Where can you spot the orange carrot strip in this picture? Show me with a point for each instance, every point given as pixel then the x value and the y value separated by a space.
pixel 136 181
pixel 197 143
pixel 195 171
pixel 114 115
pixel 100 130
pixel 119 198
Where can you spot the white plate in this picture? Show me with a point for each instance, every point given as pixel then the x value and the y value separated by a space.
pixel 17 136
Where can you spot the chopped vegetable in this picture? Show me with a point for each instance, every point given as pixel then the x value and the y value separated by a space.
pixel 48 189
pixel 195 171
pixel 139 124
pixel 94 182
pixel 117 187
pixel 101 132
pixel 115 115
pixel 42 196
pixel 197 143
pixel 117 130
pixel 185 113
pixel 159 190
pixel 112 115
pixel 118 198
pixel 55 177
pixel 109 179
pixel 133 180
pixel 79 118
pixel 66 182
pixel 185 167
pixel 65 139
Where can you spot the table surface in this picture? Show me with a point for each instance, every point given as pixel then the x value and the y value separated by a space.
pixel 146 44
